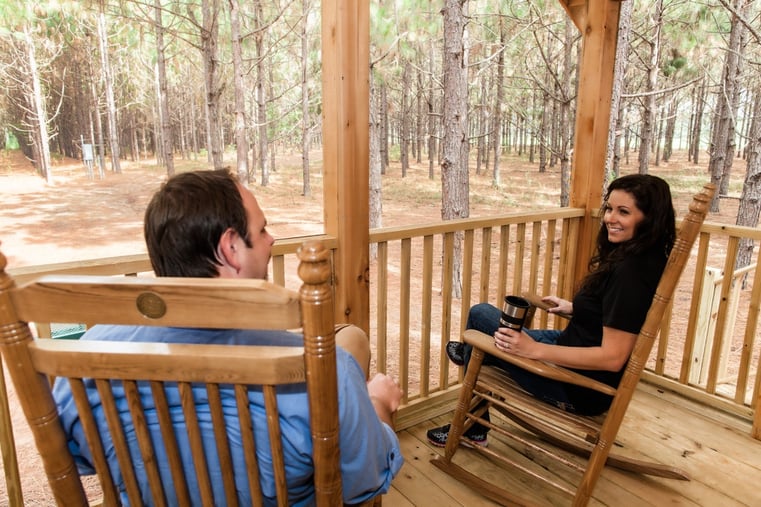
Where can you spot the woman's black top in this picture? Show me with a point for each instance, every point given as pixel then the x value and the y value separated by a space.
pixel 620 301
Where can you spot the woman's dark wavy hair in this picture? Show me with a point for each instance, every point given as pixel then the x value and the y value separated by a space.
pixel 656 231
pixel 186 219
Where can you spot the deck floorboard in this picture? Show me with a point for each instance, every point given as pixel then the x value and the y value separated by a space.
pixel 716 451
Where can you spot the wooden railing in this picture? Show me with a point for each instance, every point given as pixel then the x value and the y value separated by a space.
pixel 418 303
pixel 415 311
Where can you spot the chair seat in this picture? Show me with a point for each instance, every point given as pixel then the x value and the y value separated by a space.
pixel 567 431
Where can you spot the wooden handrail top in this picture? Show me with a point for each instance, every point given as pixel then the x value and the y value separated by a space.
pixel 140 263
pixel 518 217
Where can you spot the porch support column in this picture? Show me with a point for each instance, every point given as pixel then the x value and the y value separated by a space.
pixel 599 27
pixel 345 140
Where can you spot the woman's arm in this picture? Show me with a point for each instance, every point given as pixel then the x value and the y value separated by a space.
pixel 611 355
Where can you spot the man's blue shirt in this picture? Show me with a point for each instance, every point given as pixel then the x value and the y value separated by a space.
pixel 370 453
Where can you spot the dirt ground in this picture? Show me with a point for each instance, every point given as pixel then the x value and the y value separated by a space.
pixel 76 218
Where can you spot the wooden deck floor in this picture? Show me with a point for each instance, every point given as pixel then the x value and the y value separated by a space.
pixel 715 449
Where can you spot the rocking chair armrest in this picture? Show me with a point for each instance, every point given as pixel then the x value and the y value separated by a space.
pixel 537 302
pixel 548 370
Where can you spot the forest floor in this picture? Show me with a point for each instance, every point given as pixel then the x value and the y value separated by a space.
pixel 75 218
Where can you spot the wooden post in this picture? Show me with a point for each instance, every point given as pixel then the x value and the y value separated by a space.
pixel 598 24
pixel 346 166
pixel 320 363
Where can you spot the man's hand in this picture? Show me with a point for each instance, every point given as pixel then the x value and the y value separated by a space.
pixel 386 395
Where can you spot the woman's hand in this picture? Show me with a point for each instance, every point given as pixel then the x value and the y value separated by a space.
pixel 561 305
pixel 514 342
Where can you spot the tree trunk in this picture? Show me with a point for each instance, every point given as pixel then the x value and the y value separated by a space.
pixel 93 140
pixel 241 139
pixel 531 134
pixel 39 112
pixel 261 93
pixel 133 129
pixel 724 116
pixel 668 138
pixel 305 116
pixel 384 128
pixel 404 123
pixel 613 158
pixel 483 118
pixel 376 186
pixel 433 120
pixel 113 133
pixel 565 117
pixel 615 168
pixel 167 149
pixel 750 200
pixel 734 105
pixel 497 108
pixel 209 42
pixel 420 114
pixel 627 136
pixel 648 107
pixel 454 175
pixel 658 135
pixel 698 122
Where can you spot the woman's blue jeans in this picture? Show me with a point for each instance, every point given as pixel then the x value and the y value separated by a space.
pixel 485 318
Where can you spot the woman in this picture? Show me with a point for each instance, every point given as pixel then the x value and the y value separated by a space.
pixel 635 238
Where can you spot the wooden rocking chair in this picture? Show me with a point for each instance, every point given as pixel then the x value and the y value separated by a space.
pixel 177 302
pixel 488 386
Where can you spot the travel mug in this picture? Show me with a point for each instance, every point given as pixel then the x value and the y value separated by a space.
pixel 514 312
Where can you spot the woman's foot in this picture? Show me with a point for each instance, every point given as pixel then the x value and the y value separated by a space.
pixel 456 352
pixel 475 436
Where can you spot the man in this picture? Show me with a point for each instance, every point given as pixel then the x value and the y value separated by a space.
pixel 206 224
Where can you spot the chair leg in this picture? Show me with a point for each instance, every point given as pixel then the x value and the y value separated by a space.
pixel 8 446
pixel 463 403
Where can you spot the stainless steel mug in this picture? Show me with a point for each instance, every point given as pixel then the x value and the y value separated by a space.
pixel 514 312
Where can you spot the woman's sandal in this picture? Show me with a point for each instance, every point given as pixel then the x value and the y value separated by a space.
pixel 456 352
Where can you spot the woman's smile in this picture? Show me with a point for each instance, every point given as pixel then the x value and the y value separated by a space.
pixel 621 216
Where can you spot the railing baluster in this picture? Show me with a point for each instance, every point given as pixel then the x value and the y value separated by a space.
pixel 749 338
pixel 520 252
pixel 485 267
pixel 404 313
pixel 425 324
pixel 504 263
pixel 381 310
pixel 467 287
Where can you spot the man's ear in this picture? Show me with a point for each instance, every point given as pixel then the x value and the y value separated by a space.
pixel 227 251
